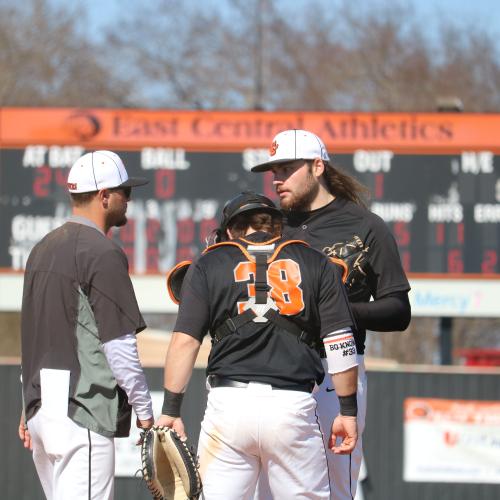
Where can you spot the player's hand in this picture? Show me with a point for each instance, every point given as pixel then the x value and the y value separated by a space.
pixel 174 423
pixel 144 425
pixel 345 428
pixel 24 434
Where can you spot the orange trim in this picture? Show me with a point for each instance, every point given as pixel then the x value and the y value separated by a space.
pixel 337 340
pixel 231 243
pixel 133 129
pixel 248 255
pixel 343 265
pixel 169 277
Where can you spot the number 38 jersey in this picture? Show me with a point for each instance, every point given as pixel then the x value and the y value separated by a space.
pixel 302 283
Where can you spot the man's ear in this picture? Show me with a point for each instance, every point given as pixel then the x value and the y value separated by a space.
pixel 229 234
pixel 318 167
pixel 103 196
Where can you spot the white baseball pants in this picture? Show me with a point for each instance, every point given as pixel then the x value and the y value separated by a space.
pixel 259 430
pixel 342 469
pixel 72 462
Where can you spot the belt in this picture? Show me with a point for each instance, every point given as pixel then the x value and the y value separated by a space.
pixel 218 381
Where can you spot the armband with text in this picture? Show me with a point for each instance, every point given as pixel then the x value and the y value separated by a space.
pixel 340 349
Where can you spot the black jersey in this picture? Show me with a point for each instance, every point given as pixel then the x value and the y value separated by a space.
pixel 344 222
pixel 77 294
pixel 304 284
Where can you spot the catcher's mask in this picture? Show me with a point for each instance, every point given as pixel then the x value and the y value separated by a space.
pixel 243 202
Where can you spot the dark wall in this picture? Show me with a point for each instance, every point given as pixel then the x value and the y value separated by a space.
pixel 383 437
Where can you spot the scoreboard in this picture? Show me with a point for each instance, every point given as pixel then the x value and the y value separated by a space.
pixel 434 178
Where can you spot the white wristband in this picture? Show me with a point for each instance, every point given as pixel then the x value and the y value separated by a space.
pixel 340 350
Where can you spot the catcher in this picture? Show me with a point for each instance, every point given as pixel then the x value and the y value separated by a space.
pixel 271 305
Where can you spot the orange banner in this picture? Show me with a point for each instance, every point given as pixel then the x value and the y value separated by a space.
pixel 452 410
pixel 237 130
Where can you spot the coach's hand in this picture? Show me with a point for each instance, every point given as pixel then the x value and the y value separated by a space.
pixel 144 425
pixel 174 423
pixel 24 433
pixel 347 429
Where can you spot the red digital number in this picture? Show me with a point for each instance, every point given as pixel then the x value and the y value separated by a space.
pixel 164 183
pixel 440 234
pixel 490 259
pixel 379 186
pixel 185 231
pixel 152 228
pixel 184 253
pixel 455 261
pixel 127 232
pixel 41 182
pixel 206 228
pixel 402 233
pixel 152 259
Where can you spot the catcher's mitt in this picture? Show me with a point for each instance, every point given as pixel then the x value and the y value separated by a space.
pixel 354 256
pixel 169 467
pixel 175 277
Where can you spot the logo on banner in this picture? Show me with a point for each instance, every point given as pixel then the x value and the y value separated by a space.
pixel 83 125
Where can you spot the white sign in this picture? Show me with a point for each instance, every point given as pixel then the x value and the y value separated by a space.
pixel 455 298
pixel 451 441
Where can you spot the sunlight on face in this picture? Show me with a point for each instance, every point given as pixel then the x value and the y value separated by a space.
pixel 296 185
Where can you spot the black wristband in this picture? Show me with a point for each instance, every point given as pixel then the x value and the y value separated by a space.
pixel 348 405
pixel 172 402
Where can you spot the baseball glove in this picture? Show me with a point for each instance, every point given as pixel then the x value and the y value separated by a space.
pixel 169 467
pixel 175 277
pixel 354 256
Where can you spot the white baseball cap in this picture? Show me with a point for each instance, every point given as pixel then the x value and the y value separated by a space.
pixel 292 145
pixel 100 170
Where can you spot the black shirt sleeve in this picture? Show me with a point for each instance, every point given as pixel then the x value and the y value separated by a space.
pixel 387 314
pixel 112 298
pixel 334 310
pixel 194 313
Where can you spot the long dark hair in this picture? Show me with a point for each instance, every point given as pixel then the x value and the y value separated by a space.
pixel 343 185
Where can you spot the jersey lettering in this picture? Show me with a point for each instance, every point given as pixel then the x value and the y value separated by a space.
pixel 284 278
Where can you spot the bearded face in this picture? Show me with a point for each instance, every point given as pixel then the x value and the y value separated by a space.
pixel 117 209
pixel 296 185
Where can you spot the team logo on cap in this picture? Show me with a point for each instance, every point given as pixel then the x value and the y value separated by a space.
pixel 273 148
pixel 71 185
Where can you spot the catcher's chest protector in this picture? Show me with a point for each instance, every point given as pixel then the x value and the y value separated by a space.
pixel 261 255
pixel 261 308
